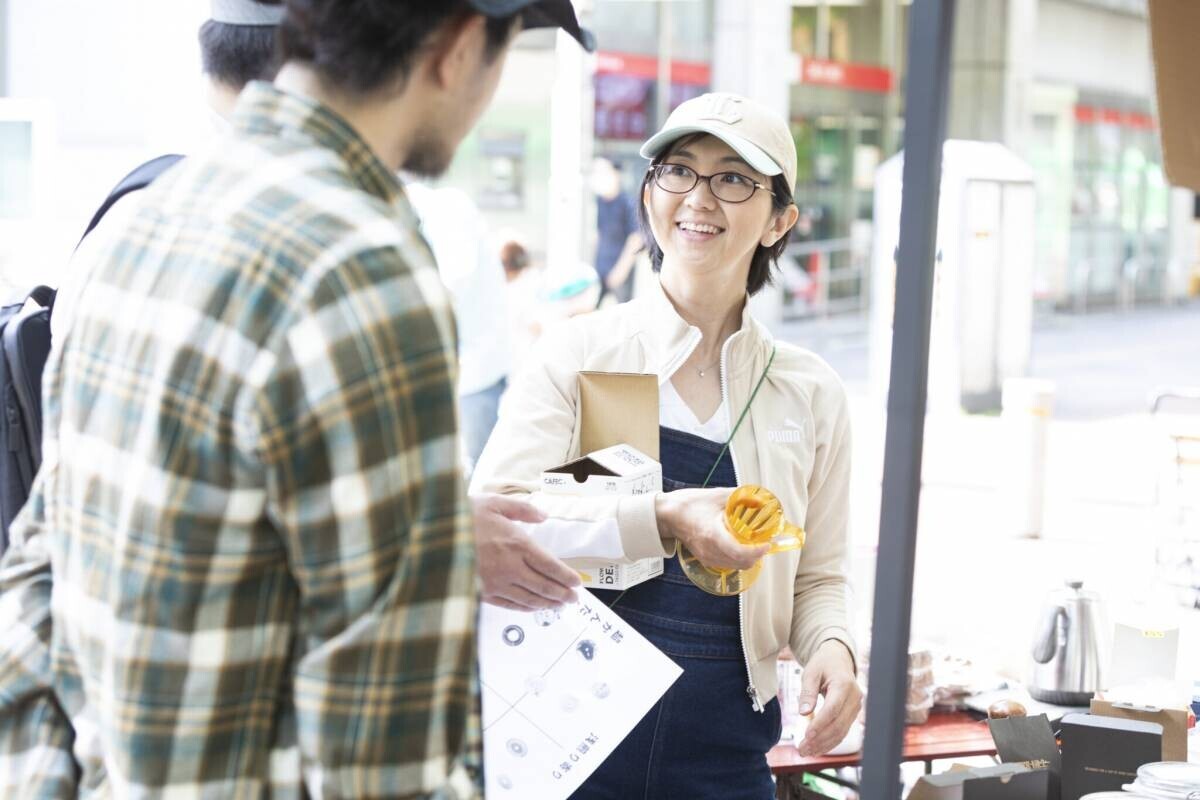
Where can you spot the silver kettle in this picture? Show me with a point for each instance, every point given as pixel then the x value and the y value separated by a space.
pixel 1070 647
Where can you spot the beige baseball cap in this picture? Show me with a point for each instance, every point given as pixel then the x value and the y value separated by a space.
pixel 755 133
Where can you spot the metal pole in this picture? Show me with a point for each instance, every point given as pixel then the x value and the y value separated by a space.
pixel 663 95
pixel 929 39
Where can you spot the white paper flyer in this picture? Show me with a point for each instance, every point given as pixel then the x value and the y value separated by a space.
pixel 561 689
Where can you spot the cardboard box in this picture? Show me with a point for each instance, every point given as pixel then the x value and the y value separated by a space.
pixel 618 408
pixel 620 470
pixel 1104 753
pixel 1172 720
pixel 1030 742
pixel 1142 654
pixel 1003 782
pixel 1173 26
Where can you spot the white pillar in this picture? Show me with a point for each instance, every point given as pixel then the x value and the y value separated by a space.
pixel 1027 406
pixel 1182 254
pixel 4 48
pixel 752 56
pixel 752 50
pixel 1018 76
pixel 571 130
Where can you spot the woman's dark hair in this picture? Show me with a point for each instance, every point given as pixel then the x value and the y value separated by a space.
pixel 238 54
pixel 363 45
pixel 764 257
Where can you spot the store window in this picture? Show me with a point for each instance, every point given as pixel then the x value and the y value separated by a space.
pixel 504 164
pixel 1119 205
pixel 627 68
pixel 845 32
pixel 16 169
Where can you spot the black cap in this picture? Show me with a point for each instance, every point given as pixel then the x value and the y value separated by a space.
pixel 539 14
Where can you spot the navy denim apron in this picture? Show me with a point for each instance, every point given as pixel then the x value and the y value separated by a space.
pixel 703 739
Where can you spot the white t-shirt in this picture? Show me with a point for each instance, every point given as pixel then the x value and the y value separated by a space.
pixel 674 413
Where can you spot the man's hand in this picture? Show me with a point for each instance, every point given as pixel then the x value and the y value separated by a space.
pixel 515 571
pixel 696 517
pixel 830 672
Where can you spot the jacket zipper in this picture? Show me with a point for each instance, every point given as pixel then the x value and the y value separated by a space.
pixel 750 690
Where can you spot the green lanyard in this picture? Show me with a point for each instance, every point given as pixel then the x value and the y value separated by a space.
pixel 741 418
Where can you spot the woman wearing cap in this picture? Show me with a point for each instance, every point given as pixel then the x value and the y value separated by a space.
pixel 718 201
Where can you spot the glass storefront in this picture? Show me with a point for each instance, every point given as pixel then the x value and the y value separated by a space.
pixel 840 104
pixel 626 81
pixel 1119 204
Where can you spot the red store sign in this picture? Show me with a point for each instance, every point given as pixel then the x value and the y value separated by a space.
pixel 693 73
pixel 845 75
pixel 625 85
pixel 1094 115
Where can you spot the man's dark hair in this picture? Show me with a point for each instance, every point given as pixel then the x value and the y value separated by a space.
pixel 363 45
pixel 238 54
pixel 764 257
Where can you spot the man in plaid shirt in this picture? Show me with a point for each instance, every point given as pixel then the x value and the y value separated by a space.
pixel 264 579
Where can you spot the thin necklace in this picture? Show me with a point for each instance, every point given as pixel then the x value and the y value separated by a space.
pixel 706 369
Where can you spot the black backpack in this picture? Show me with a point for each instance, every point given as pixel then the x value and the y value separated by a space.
pixel 25 338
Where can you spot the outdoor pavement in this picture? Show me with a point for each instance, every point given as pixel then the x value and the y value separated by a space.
pixel 1110 510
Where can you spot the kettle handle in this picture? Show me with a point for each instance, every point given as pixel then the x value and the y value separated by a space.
pixel 1046 643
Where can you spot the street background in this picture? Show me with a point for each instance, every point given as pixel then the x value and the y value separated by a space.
pixel 1112 509
pixel 1063 253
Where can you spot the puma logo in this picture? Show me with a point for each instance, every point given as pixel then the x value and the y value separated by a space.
pixel 791 433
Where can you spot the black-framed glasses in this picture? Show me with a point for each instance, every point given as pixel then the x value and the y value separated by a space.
pixel 732 187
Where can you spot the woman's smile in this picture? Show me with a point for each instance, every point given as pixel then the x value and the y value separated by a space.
pixel 698 231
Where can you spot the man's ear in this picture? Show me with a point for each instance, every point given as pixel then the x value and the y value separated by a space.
pixel 456 51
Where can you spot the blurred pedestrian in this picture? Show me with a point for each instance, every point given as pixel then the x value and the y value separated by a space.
pixel 262 550
pixel 618 236
pixel 522 299
pixel 237 46
pixel 471 270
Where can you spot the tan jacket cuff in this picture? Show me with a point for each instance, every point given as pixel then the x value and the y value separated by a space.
pixel 838 635
pixel 638 524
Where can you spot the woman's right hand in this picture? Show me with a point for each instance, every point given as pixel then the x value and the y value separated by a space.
pixel 696 517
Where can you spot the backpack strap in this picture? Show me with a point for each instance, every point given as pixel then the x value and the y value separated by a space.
pixel 25 340
pixel 139 179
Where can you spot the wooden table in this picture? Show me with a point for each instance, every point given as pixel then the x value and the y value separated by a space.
pixel 951 734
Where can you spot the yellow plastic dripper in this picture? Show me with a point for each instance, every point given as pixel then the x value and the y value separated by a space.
pixel 753 516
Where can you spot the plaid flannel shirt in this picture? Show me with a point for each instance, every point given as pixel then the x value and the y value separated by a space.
pixel 250 501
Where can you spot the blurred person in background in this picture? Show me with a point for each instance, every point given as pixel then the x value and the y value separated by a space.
pixel 237 46
pixel 471 270
pixel 522 299
pixel 251 493
pixel 618 237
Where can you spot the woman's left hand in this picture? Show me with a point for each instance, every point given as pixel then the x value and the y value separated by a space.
pixel 829 672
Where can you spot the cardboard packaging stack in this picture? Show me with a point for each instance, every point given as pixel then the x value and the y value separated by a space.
pixel 921 689
pixel 1100 752
pixel 620 470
